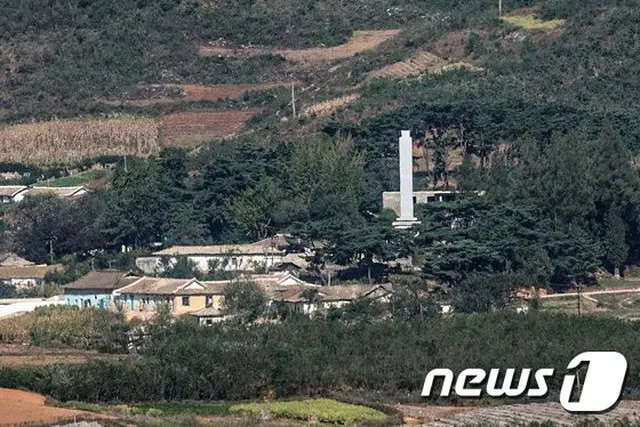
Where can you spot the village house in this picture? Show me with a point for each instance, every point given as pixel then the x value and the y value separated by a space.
pixel 263 255
pixel 202 299
pixel 299 299
pixel 95 289
pixel 23 274
pixel 17 193
pixel 182 296
pixel 62 192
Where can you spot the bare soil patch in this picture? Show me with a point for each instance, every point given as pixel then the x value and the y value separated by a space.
pixel 452 46
pixel 188 129
pixel 19 407
pixel 361 41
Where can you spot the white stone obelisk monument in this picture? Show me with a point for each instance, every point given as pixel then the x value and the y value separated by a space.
pixel 406 218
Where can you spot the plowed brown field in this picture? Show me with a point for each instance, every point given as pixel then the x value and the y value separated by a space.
pixel 219 92
pixel 187 129
pixel 361 41
pixel 19 407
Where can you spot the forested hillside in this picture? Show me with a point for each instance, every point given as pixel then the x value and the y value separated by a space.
pixel 538 108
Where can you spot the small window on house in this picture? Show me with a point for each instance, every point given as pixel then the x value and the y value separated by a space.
pixel 234 261
pixel 209 322
pixel 209 301
pixel 186 301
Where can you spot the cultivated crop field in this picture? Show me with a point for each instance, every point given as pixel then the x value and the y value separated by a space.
pixel 194 93
pixel 531 22
pixel 68 141
pixel 325 108
pixel 361 41
pixel 326 411
pixel 523 414
pixel 188 129
pixel 322 410
pixel 12 356
pixel 419 63
pixel 147 95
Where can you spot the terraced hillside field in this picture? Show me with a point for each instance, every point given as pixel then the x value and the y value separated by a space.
pixel 154 94
pixel 13 356
pixel 70 141
pixel 188 129
pixel 419 63
pixel 325 108
pixel 361 41
pixel 535 412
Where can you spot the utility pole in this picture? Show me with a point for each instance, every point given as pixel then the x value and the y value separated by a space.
pixel 125 164
pixel 293 98
pixel 499 7
pixel 579 301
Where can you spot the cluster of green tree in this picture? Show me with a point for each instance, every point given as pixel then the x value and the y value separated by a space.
pixel 551 213
pixel 45 291
pixel 300 356
pixel 230 192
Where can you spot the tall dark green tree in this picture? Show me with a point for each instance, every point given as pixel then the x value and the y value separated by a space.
pixel 616 249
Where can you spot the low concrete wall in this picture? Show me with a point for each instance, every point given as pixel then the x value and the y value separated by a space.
pixel 26 305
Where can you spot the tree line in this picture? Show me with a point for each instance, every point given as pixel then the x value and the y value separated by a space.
pixel 300 356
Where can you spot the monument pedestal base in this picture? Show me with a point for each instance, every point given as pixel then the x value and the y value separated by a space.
pixel 404 223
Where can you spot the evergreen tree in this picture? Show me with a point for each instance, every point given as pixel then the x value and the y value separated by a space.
pixel 616 249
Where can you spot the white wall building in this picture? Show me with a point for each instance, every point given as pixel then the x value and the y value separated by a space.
pixel 263 255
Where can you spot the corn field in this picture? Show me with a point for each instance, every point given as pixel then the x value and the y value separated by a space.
pixel 68 141
pixel 60 326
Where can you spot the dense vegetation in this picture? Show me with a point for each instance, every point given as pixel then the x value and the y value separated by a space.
pixel 303 356
pixel 546 124
pixel 63 326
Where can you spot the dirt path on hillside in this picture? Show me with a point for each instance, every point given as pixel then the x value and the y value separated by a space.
pixel 361 41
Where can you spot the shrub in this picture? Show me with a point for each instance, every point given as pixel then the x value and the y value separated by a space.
pixel 153 412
